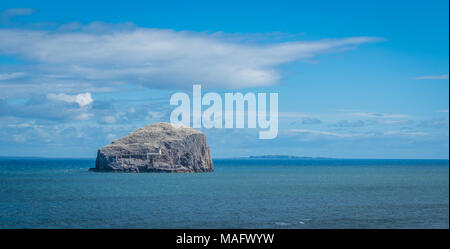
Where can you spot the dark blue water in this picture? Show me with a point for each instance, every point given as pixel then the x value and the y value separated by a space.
pixel 61 193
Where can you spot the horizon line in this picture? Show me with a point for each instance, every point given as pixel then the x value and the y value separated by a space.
pixel 244 157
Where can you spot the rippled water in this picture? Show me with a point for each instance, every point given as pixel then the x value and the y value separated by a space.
pixel 61 193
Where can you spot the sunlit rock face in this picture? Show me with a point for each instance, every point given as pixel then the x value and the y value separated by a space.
pixel 160 147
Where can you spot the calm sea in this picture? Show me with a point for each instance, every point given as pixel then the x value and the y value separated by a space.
pixel 61 193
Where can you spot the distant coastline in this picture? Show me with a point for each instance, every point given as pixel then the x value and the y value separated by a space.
pixel 284 157
pixel 256 157
pixel 291 157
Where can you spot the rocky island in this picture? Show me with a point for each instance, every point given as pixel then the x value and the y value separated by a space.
pixel 160 147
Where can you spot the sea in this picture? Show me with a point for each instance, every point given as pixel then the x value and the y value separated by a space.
pixel 241 193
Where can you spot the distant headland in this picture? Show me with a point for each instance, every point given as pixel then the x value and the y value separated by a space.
pixel 285 157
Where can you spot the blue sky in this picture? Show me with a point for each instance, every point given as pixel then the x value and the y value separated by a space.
pixel 356 79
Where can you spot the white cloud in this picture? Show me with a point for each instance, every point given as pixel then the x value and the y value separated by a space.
pixel 433 77
pixel 392 122
pixel 22 125
pixel 84 116
pixel 161 58
pixel 7 15
pixel 19 138
pixel 155 115
pixel 108 119
pixel 111 137
pixel 405 133
pixel 435 123
pixel 82 99
pixel 10 76
pixel 324 133
pixel 378 115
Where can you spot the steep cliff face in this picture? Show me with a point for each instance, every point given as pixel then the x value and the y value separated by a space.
pixel 160 147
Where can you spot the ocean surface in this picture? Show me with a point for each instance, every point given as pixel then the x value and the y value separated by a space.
pixel 257 193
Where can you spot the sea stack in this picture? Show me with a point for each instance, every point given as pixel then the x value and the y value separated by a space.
pixel 159 147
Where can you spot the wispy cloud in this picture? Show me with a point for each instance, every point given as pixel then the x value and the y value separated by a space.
pixel 323 133
pixel 406 133
pixel 53 107
pixel 392 122
pixel 311 121
pixel 82 99
pixel 10 76
pixel 350 124
pixel 159 58
pixel 435 123
pixel 433 77
pixel 378 115
pixel 8 14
